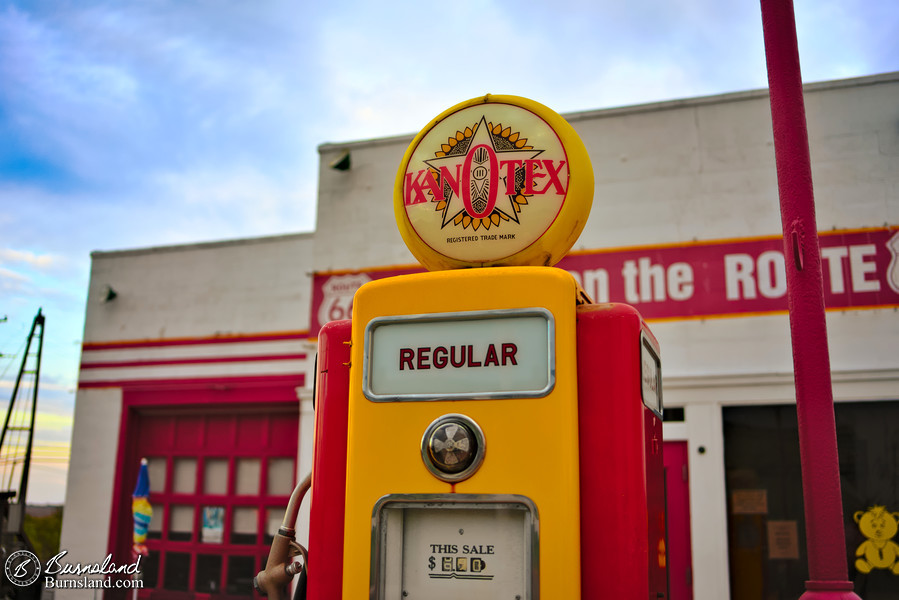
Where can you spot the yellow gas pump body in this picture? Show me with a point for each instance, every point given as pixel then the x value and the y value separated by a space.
pixel 531 442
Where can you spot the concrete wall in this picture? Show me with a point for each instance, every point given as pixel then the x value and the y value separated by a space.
pixel 88 504
pixel 695 169
pixel 356 227
pixel 201 290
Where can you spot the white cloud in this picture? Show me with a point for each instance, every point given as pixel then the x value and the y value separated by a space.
pixel 13 276
pixel 236 202
pixel 64 98
pixel 111 94
pixel 44 386
pixel 38 261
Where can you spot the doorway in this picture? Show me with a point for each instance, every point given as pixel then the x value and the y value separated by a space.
pixel 677 484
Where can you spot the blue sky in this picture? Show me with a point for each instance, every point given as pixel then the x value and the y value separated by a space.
pixel 131 124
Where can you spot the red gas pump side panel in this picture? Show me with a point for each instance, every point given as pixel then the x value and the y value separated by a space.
pixel 657 502
pixel 325 568
pixel 616 458
pixel 656 505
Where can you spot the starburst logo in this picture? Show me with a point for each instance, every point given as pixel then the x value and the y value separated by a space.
pixel 487 180
pixel 483 176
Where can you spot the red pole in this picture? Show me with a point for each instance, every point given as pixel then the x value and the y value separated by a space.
pixel 825 540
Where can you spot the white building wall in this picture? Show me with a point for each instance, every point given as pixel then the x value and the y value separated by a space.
pixel 91 477
pixel 356 227
pixel 675 172
pixel 201 290
pixel 198 291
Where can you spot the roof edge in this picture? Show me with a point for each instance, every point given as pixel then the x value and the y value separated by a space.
pixel 202 245
pixel 574 116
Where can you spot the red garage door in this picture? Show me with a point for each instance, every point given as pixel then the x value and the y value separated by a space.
pixel 220 479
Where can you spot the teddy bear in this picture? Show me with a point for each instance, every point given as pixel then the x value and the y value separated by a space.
pixel 879 551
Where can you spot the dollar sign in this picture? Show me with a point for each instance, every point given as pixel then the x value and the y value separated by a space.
pixel 432 563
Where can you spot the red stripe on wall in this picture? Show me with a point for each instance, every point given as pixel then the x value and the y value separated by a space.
pixel 190 361
pixel 293 380
pixel 231 339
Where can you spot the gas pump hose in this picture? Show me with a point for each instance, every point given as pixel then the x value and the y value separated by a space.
pixel 280 568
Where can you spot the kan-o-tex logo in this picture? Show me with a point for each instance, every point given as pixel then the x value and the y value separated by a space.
pixel 483 176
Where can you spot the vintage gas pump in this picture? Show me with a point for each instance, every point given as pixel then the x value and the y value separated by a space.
pixel 482 430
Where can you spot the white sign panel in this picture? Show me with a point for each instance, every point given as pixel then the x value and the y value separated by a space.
pixel 473 355
pixel 337 296
pixel 464 553
pixel 448 551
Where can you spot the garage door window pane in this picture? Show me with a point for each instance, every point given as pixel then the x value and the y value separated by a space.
pixel 208 573
pixel 248 474
pixel 273 519
pixel 177 571
pixel 241 570
pixel 185 476
pixel 154 531
pixel 280 476
pixel 215 476
pixel 156 467
pixel 181 523
pixel 149 569
pixel 245 525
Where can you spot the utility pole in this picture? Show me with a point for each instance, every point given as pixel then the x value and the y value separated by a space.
pixel 16 424
pixel 825 539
